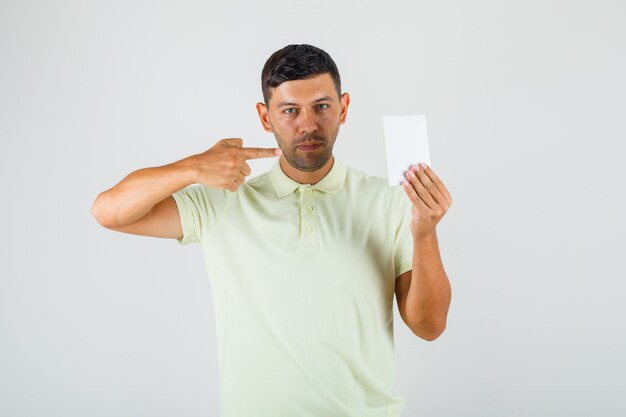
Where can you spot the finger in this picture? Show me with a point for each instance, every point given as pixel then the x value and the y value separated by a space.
pixel 254 153
pixel 429 185
pixel 438 183
pixel 239 179
pixel 410 191
pixel 421 191
pixel 236 142
pixel 245 169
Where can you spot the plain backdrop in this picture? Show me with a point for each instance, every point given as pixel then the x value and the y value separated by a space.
pixel 525 103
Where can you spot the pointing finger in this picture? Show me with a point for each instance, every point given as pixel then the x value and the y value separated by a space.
pixel 254 153
pixel 233 142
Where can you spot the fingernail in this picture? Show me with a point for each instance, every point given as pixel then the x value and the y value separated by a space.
pixel 423 165
pixel 278 152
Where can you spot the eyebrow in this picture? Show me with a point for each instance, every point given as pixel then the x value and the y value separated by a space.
pixel 284 103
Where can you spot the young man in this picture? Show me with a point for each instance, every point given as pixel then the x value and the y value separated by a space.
pixel 303 260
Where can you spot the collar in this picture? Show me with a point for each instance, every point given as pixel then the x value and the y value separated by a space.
pixel 331 183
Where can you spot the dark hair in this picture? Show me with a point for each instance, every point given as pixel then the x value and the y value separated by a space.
pixel 296 62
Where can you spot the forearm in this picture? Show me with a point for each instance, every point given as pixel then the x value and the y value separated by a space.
pixel 429 295
pixel 134 196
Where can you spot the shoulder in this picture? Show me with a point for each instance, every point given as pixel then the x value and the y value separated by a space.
pixel 375 193
pixel 363 182
pixel 259 184
pixel 357 177
pixel 199 191
pixel 258 179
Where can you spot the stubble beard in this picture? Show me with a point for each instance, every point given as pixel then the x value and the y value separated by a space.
pixel 312 160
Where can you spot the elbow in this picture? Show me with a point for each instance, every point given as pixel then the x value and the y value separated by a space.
pixel 429 330
pixel 433 334
pixel 96 212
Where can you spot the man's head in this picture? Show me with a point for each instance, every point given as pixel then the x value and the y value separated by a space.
pixel 296 62
pixel 303 104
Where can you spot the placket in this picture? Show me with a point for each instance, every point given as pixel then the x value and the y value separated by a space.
pixel 308 215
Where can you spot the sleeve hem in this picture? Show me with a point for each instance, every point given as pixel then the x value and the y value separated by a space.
pixel 402 267
pixel 184 221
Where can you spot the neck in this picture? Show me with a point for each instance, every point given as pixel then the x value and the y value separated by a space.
pixel 306 177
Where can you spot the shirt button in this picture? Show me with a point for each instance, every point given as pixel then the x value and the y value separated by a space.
pixel 309 229
pixel 308 190
pixel 309 209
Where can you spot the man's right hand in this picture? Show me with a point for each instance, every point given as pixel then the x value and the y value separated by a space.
pixel 224 164
pixel 142 202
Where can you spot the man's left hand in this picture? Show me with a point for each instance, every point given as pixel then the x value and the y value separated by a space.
pixel 429 196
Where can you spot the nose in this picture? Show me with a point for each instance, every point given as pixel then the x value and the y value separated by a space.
pixel 307 122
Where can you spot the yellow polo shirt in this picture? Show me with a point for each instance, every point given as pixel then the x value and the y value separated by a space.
pixel 303 279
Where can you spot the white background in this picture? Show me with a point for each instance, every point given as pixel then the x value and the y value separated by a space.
pixel 525 104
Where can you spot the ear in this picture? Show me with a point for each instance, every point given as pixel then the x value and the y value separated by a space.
pixel 261 108
pixel 345 102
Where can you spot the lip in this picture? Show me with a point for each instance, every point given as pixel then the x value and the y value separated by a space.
pixel 309 146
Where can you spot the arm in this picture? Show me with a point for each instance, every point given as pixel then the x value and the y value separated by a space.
pixel 142 202
pixel 427 293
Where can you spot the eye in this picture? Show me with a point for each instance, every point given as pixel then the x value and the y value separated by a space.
pixel 287 110
pixel 324 104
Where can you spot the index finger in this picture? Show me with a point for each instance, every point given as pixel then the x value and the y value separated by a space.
pixel 232 141
pixel 254 153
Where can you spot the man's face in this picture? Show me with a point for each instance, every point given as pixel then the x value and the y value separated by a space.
pixel 304 116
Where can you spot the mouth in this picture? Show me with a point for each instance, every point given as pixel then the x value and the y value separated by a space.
pixel 310 146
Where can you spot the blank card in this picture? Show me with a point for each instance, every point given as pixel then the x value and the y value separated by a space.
pixel 406 144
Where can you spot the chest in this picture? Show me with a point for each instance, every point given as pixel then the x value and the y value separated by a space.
pixel 308 220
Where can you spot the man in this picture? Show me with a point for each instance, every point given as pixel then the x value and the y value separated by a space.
pixel 303 260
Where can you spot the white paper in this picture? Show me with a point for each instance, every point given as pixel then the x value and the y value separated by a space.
pixel 406 144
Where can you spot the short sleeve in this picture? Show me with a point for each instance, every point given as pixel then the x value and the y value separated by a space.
pixel 403 238
pixel 199 208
